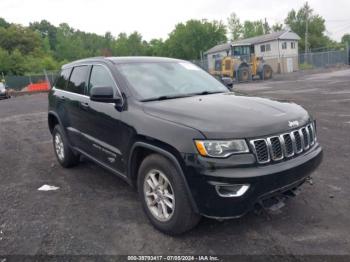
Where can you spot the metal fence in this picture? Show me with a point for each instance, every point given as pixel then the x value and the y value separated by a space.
pixel 20 82
pixel 323 59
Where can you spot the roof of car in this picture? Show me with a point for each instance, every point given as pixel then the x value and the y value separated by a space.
pixel 122 59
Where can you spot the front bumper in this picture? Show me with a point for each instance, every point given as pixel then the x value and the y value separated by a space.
pixel 264 181
pixel 3 95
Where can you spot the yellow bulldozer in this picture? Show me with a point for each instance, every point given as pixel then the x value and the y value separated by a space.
pixel 242 65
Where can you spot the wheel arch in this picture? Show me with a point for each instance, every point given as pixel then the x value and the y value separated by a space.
pixel 143 148
pixel 262 65
pixel 53 120
pixel 243 64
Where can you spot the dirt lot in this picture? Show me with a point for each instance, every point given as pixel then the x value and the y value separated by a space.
pixel 94 212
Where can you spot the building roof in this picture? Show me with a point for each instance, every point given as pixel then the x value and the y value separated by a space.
pixel 219 48
pixel 280 35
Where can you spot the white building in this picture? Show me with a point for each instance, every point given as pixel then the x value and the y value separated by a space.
pixel 279 50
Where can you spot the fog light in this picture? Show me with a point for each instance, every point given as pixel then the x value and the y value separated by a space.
pixel 236 190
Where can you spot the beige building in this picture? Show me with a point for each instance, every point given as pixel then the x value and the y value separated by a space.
pixel 278 49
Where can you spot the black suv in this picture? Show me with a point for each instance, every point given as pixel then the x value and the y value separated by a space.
pixel 189 145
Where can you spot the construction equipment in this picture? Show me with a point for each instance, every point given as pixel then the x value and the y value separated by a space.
pixel 242 65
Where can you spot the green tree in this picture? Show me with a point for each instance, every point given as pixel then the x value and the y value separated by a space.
pixel 21 38
pixel 4 23
pixel 346 39
pixel 47 31
pixel 17 64
pixel 297 20
pixel 235 27
pixel 277 27
pixel 156 47
pixel 188 40
pixel 253 28
pixel 4 61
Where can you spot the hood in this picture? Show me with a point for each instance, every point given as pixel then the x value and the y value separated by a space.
pixel 227 115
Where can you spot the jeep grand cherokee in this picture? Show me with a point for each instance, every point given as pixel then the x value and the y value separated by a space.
pixel 188 144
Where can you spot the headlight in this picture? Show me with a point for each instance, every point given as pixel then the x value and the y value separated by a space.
pixel 216 148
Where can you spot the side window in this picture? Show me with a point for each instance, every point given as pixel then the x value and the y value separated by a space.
pixel 77 81
pixel 292 45
pixel 62 80
pixel 100 77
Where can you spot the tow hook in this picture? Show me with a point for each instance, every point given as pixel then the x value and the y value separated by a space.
pixel 309 180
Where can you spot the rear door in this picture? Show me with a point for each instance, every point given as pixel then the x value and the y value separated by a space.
pixel 76 103
pixel 57 97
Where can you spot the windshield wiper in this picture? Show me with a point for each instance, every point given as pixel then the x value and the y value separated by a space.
pixel 159 98
pixel 207 93
pixel 166 97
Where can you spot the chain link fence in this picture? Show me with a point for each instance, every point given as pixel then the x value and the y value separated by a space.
pixel 19 83
pixel 323 59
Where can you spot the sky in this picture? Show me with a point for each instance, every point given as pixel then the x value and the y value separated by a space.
pixel 157 18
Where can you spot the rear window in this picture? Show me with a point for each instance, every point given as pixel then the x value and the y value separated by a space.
pixel 78 80
pixel 62 80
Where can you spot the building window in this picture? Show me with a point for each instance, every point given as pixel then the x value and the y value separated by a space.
pixel 292 45
pixel 284 45
pixel 268 47
pixel 262 48
pixel 265 48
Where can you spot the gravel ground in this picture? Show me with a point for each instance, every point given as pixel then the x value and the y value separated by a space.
pixel 94 212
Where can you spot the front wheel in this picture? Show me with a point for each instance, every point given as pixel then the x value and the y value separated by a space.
pixel 243 74
pixel 164 196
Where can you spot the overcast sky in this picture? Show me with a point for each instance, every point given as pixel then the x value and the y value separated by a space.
pixel 156 18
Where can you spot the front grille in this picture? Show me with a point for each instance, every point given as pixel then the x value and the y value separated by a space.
pixel 288 145
pixel 298 142
pixel 284 146
pixel 276 150
pixel 261 149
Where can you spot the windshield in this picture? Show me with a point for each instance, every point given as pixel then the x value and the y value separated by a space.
pixel 156 80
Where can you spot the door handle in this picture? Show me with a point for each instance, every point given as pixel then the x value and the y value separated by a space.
pixel 84 104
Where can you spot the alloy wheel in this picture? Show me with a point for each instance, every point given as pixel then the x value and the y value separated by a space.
pixel 159 195
pixel 59 147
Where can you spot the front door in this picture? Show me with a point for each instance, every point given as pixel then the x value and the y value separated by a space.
pixel 289 65
pixel 101 131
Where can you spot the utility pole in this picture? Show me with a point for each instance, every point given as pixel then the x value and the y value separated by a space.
pixel 306 31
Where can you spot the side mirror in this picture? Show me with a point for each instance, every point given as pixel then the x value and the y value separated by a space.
pixel 104 94
pixel 228 82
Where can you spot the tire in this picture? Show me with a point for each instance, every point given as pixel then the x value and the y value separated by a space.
pixel 243 74
pixel 64 154
pixel 182 217
pixel 266 73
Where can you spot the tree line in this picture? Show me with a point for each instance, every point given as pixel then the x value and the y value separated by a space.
pixel 41 45
pixel 295 21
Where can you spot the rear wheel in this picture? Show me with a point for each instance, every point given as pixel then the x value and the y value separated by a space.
pixel 266 73
pixel 65 155
pixel 164 196
pixel 243 74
